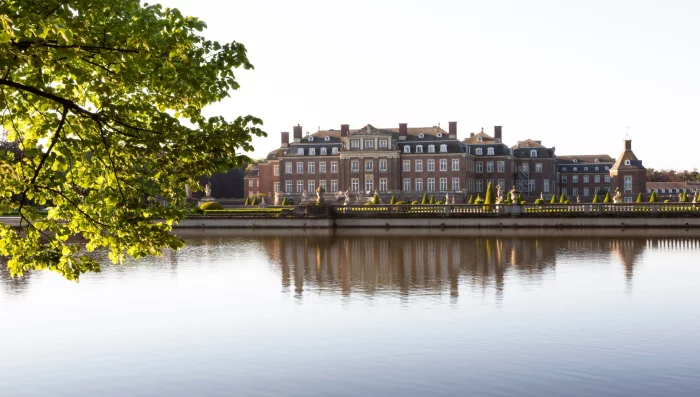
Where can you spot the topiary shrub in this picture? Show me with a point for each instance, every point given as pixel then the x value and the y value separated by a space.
pixel 211 206
pixel 607 198
pixel 595 199
pixel 684 198
pixel 393 200
pixel 425 199
pixel 375 199
pixel 490 195
pixel 563 199
pixel 471 199
pixel 640 199
pixel 666 201
pixel 653 198
pixel 520 197
pixel 247 201
pixel 432 200
pixel 553 200
pixel 414 202
pixel 285 201
pixel 439 202
pixel 401 202
pixel 254 201
pixel 539 201
pixel 478 201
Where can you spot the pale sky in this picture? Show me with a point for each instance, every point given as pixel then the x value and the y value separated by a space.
pixel 573 74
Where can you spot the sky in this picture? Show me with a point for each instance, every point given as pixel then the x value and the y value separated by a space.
pixel 579 76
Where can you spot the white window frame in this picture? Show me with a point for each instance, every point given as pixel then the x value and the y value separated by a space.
pixel 431 184
pixel 479 151
pixel 533 153
pixel 407 165
pixel 288 167
pixel 311 167
pixel 443 148
pixel 431 165
pixel 312 152
pixel 288 187
pixel 443 184
pixel 300 167
pixel 479 166
pixel 334 185
pixel 489 166
pixel 431 148
pixel 369 165
pixel 382 165
pixel 418 183
pixel 443 165
pixel 419 166
pixel 455 185
pixel 490 151
pixel 354 165
pixel 334 167
pixel 406 184
pixel 407 149
pixel 322 167
pixel 455 164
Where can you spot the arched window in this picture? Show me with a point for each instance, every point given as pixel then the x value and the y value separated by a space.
pixel 479 151
pixel 407 149
pixel 327 138
pixel 489 151
pixel 533 153
pixel 311 139
pixel 312 152
pixel 431 148
pixel 443 148
pixel 334 150
pixel 300 151
pixel 419 149
pixel 439 134
pixel 421 135
pixel 323 151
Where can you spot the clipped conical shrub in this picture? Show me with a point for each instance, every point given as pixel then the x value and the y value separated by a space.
pixel 393 200
pixel 490 195
pixel 375 199
pixel 247 201
pixel 595 199
pixel 432 199
pixel 684 198
pixel 653 198
pixel 607 198
pixel 425 199
pixel 563 199
pixel 254 201
pixel 284 201
pixel 553 200
pixel 471 199
pixel 520 198
pixel 640 198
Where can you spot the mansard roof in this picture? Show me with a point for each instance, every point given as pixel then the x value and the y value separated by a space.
pixel 275 154
pixel 481 138
pixel 452 146
pixel 586 159
pixel 413 132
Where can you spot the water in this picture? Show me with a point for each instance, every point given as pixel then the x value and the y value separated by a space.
pixel 364 313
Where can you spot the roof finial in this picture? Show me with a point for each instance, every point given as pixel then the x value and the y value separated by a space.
pixel 627 135
pixel 482 129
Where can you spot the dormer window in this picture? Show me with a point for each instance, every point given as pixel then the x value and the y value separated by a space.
pixel 443 148
pixel 419 149
pixel 597 168
pixel 597 160
pixel 355 143
pixel 324 151
pixel 563 169
pixel 489 151
pixel 407 149
pixel 334 150
pixel 327 138
pixel 480 139
pixel 575 160
pixel 607 168
pixel 627 162
pixel 479 151
pixel 533 153
pixel 421 135
pixel 431 148
pixel 575 169
pixel 439 134
pixel 300 152
pixel 312 152
pixel 311 139
pixel 585 168
pixel 369 143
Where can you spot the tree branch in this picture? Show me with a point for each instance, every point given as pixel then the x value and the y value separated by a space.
pixel 23 45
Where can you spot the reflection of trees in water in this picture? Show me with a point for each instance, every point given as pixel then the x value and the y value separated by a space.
pixel 433 265
pixel 13 285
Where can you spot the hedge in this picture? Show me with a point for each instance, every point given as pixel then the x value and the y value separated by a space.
pixel 211 205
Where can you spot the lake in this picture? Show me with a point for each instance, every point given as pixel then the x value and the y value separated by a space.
pixel 367 313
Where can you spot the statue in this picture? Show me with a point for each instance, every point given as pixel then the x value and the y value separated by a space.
pixel 447 198
pixel 542 196
pixel 499 195
pixel 207 190
pixel 453 200
pixel 304 195
pixel 319 195
pixel 618 196
pixel 578 199
pixel 514 195
pixel 188 191
pixel 695 196
pixel 680 197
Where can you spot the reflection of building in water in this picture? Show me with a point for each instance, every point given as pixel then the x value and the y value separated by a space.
pixel 389 264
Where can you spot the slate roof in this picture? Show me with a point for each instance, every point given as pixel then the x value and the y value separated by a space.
pixel 275 154
pixel 672 185
pixel 253 173
pixel 621 162
pixel 586 159
pixel 486 139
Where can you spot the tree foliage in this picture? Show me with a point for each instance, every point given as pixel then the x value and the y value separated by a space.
pixel 105 99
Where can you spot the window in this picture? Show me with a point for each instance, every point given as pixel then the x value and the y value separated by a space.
pixel 288 186
pixel 322 184
pixel 439 134
pixel 355 184
pixel 489 166
pixel 455 164
pixel 563 179
pixel 563 191
pixel 525 168
pixel 322 167
pixel 276 170
pixel 443 184
pixel 501 183
pixel 311 166
pixel 431 165
pixel 501 166
pixel 369 165
pixel 355 143
pixel 312 186
pixel 383 143
pixel 585 168
pixel 628 199
pixel 419 184
pixel 382 165
pixel 479 185
pixel 407 185
pixel 597 168
pixel 287 168
pixel 627 162
pixel 407 149
pixel 607 178
pixel 546 186
pixel 382 184
pixel 334 150
pixel 407 165
pixel 443 148
pixel 250 183
pixel 334 185
pixel 312 152
pixel 300 152
pixel 419 148
pixel 530 185
pixel 327 138
pixel 628 184
pixel 563 169
pixel 369 144
pixel 355 166
pixel 479 151
pixel 443 165
pixel 324 151
pixel 574 191
pixel 419 165
pixel 596 178
pixel 489 151
pixel 538 167
pixel 277 187
pixel 431 184
pixel 586 192
pixel 607 168
pixel 533 153
pixel 257 183
pixel 455 184
pixel 334 167
pixel 431 148
pixel 300 168
pixel 586 179
pixel 479 166
pixel 369 184
pixel 575 169
pixel 300 186
pixel 421 135
pixel 311 139
pixel 574 179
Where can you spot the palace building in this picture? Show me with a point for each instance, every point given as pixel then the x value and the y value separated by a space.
pixel 408 162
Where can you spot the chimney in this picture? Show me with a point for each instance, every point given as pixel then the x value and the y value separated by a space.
pixel 297 133
pixel 403 131
pixel 285 139
pixel 497 134
pixel 344 130
pixel 628 145
pixel 453 130
pixel 471 135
